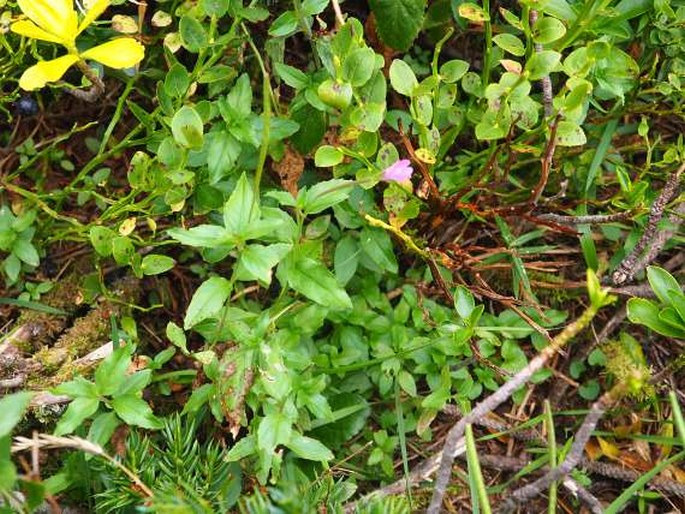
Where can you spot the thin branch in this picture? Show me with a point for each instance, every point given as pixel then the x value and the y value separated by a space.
pixel 626 270
pixel 339 19
pixel 455 435
pixel 592 219
pixel 575 454
pixel 546 162
pixel 661 238
pixel 547 93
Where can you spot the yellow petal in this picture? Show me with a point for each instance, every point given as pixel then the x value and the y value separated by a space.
pixel 29 29
pixel 95 9
pixel 119 53
pixel 46 71
pixel 57 17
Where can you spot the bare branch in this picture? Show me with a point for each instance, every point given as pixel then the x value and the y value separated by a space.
pixel 627 269
pixel 574 455
pixel 456 433
pixel 592 219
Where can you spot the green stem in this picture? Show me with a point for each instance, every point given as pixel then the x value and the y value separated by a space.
pixel 117 114
pixel 475 472
pixel 266 115
pixel 552 448
pixel 487 25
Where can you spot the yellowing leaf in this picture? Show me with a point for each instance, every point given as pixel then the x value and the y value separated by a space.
pixel 29 29
pixel 511 66
pixel 95 9
pixel 118 53
pixel 473 12
pixel 128 226
pixel 161 19
pixel 57 17
pixel 45 71
pixel 172 41
pixel 608 449
pixel 124 24
pixel 593 450
pixel 425 155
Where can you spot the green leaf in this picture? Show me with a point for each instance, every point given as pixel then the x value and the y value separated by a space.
pixel 310 278
pixel 177 81
pixel 323 195
pixel 122 250
pixel 463 302
pixel 453 70
pixel 547 30
pixel 154 264
pixel 335 93
pixel 407 383
pixel 12 266
pixel 193 35
pixel 285 25
pixel 26 252
pixel 101 239
pixel 256 261
pixel 207 301
pixel 346 259
pixel 510 43
pixel 292 76
pixel 402 78
pixel 175 334
pixel 646 312
pixel 223 151
pixel 327 156
pixel 376 243
pixel 111 373
pixel 308 448
pixel 274 429
pixel 187 127
pixel 312 128
pixel 135 411
pixel 312 7
pixel 77 412
pixel 349 416
pixel 241 210
pixel 102 428
pixel 13 407
pixel 358 66
pixel 570 134
pixel 207 236
pixel 215 7
pixel 542 63
pixel 8 473
pixel 678 303
pixel 662 283
pixel 134 383
pixel 398 21
pixel 199 397
pixel 243 448
pixel 78 387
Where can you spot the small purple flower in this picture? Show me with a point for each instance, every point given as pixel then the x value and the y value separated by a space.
pixel 400 171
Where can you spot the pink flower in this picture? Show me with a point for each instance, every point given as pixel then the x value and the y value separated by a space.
pixel 398 172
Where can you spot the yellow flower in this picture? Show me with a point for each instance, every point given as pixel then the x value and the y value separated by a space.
pixel 57 21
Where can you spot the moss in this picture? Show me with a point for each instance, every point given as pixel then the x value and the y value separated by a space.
pixel 87 334
pixel 624 361
pixel 39 328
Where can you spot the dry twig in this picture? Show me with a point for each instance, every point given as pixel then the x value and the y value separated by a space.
pixel 455 435
pixel 574 455
pixel 634 262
